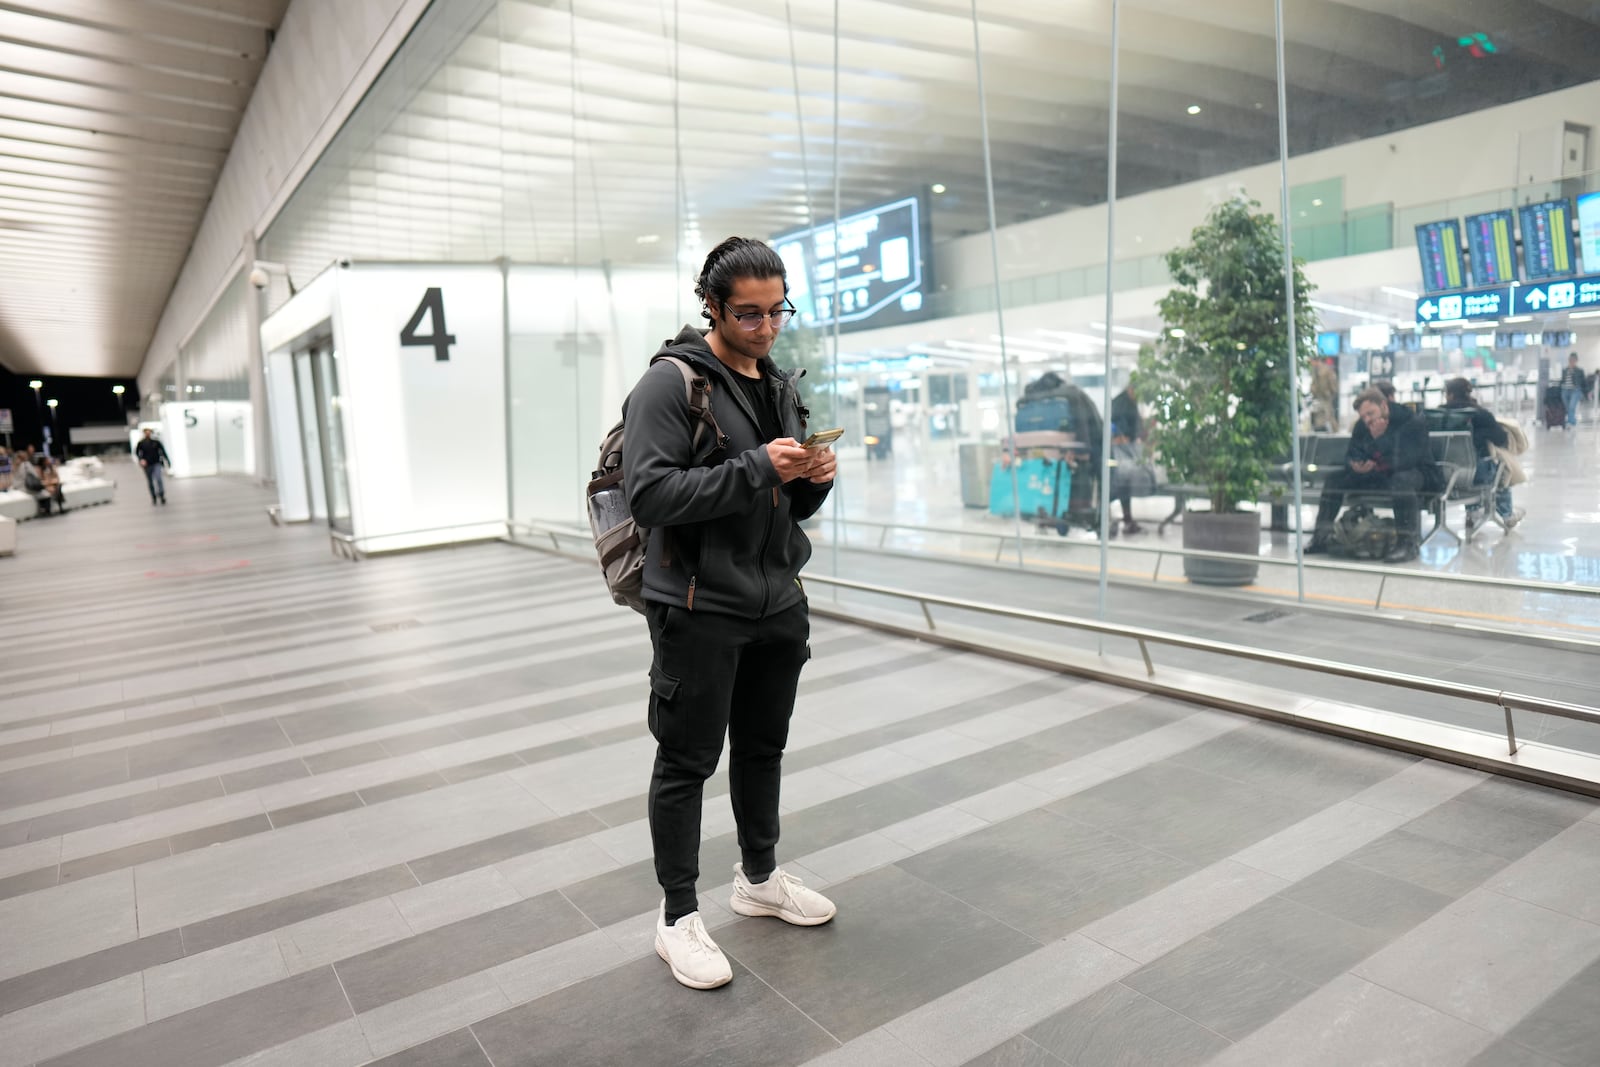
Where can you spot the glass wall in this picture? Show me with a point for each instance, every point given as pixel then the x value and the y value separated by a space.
pixel 1036 205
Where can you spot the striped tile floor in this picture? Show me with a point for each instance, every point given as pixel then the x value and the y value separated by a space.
pixel 259 805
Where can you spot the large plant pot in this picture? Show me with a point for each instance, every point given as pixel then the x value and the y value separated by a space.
pixel 1208 532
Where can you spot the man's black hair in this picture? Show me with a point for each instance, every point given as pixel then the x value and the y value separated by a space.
pixel 735 258
pixel 1458 389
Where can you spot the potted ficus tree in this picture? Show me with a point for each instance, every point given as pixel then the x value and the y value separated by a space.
pixel 1218 379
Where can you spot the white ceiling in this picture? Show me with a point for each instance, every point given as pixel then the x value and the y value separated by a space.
pixel 487 139
pixel 115 119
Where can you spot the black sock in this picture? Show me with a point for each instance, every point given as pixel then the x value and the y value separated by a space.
pixel 757 879
pixel 673 916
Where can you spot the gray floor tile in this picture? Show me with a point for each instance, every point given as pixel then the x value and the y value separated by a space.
pixel 617 1018
pixel 1350 1021
pixel 1366 898
pixel 1307 943
pixel 1221 988
pixel 1479 826
pixel 421 740
pixel 1566 1027
pixel 1560 874
pixel 876 960
pixel 224 1030
pixel 492 850
pixel 1183 812
pixel 1507 1053
pixel 1433 864
pixel 314 809
pixel 1106 728
pixel 365 713
pixel 1533 803
pixel 479 768
pixel 210 746
pixel 61 778
pixel 1018 1052
pixel 28 881
pixel 227 831
pixel 402 787
pixel 271 774
pixel 387 974
pixel 456 1049
pixel 1446 963
pixel 1121 1025
pixel 338 759
pixel 247 922
pixel 1296 763
pixel 1046 875
pixel 36 987
pixel 128 856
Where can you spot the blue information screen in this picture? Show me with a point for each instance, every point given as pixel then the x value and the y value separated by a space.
pixel 1492 247
pixel 1439 244
pixel 1547 239
pixel 875 276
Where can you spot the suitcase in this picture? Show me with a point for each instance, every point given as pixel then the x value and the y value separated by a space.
pixel 1555 409
pixel 1044 487
pixel 1049 413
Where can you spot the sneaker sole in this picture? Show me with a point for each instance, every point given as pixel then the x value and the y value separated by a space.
pixel 762 911
pixel 683 979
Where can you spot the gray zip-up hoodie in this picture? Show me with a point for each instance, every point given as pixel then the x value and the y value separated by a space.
pixel 724 529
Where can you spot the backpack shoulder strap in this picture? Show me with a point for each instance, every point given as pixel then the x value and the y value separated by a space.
pixel 699 395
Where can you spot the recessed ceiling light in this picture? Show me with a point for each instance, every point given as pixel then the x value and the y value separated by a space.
pixel 1194 109
pixel 1316 203
pixel 647 238
pixel 938 187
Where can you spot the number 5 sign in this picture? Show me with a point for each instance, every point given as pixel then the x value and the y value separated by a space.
pixel 439 340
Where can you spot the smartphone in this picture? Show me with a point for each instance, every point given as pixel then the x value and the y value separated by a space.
pixel 823 438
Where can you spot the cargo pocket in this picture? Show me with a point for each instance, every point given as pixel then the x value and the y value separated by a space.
pixel 663 706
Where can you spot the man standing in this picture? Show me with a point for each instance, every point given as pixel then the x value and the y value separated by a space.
pixel 1391 456
pixel 1126 433
pixel 152 457
pixel 727 614
pixel 1572 389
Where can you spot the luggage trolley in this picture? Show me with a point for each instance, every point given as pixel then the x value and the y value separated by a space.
pixel 1057 480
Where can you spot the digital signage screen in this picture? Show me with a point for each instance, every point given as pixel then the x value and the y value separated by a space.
pixel 1547 239
pixel 1589 231
pixel 1439 244
pixel 1329 343
pixel 1492 248
pixel 877 276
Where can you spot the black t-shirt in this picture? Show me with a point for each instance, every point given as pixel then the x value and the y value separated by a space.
pixel 760 396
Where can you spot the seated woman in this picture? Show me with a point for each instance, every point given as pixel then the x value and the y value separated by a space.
pixel 1486 431
pixel 44 483
pixel 1392 456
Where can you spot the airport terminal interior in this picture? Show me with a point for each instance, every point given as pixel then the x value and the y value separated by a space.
pixel 1124 737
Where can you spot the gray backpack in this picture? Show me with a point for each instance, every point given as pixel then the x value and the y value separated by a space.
pixel 618 540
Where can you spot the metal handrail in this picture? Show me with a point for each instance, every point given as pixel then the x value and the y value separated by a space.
pixel 1504 699
pixel 343 542
pixel 1144 637
pixel 1385 573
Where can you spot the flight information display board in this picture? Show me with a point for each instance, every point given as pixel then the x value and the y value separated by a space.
pixel 1547 239
pixel 1589 231
pixel 1439 244
pixel 876 276
pixel 1492 248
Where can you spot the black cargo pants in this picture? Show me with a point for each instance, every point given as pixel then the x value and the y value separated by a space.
pixel 715 676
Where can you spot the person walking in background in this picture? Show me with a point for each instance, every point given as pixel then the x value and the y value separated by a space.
pixel 153 457
pixel 1572 381
pixel 5 470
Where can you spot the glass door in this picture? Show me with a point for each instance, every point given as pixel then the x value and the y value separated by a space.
pixel 330 423
pixel 310 439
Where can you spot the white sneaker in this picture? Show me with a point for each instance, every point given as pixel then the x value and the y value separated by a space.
pixel 695 959
pixel 1513 518
pixel 782 895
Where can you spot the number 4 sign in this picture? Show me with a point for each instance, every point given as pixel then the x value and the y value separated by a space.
pixel 439 340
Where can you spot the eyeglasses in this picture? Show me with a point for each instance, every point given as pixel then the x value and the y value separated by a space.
pixel 750 321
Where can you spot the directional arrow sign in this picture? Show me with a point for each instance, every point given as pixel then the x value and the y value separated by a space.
pixel 1426 310
pixel 1534 297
